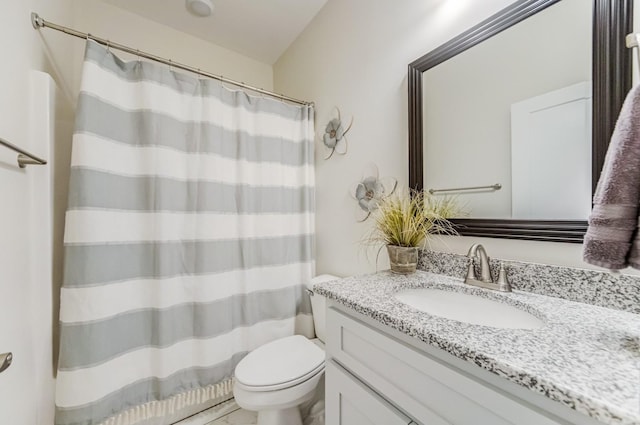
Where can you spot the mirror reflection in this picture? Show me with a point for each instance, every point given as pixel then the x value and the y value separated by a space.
pixel 507 123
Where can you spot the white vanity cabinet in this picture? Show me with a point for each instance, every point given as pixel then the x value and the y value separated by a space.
pixel 374 376
pixel 352 402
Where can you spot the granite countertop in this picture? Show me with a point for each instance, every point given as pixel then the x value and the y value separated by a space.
pixel 585 357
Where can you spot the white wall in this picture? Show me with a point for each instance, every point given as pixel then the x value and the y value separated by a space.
pixel 354 54
pixel 26 388
pixel 118 25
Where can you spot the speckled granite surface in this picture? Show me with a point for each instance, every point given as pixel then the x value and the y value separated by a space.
pixel 604 289
pixel 585 357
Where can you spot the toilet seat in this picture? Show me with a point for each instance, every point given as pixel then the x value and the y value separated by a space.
pixel 283 385
pixel 280 364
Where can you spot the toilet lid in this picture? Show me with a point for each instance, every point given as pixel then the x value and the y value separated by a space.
pixel 286 360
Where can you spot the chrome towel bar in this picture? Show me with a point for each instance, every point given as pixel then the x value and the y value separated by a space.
pixel 5 361
pixel 633 41
pixel 496 186
pixel 24 157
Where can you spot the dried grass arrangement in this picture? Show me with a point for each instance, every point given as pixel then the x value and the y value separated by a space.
pixel 405 220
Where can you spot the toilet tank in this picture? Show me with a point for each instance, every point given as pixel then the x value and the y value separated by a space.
pixel 319 304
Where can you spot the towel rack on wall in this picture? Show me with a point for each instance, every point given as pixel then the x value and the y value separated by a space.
pixel 5 361
pixel 24 157
pixel 633 41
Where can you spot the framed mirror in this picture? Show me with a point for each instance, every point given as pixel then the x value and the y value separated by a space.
pixel 514 116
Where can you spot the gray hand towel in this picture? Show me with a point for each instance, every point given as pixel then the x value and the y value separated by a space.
pixel 614 219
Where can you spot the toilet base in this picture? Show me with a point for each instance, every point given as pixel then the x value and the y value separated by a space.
pixel 290 416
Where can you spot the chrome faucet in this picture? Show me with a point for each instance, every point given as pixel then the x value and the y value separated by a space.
pixel 485 281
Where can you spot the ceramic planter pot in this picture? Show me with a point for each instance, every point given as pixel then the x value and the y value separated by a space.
pixel 404 260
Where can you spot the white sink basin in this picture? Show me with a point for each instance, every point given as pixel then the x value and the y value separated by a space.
pixel 468 308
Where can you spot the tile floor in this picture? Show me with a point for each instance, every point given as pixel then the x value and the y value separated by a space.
pixel 230 414
pixel 227 413
pixel 237 417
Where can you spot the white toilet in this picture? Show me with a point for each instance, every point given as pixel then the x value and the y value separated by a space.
pixel 278 377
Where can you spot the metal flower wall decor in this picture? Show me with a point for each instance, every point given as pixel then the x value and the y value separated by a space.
pixel 335 135
pixel 370 190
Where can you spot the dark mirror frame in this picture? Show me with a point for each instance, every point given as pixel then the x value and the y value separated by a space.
pixel 612 21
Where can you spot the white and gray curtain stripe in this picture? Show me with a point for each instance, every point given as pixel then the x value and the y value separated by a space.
pixel 189 237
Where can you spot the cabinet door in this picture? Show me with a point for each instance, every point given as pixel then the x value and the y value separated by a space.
pixel 350 402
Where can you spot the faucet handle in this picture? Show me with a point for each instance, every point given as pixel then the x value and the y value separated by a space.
pixel 502 281
pixel 471 269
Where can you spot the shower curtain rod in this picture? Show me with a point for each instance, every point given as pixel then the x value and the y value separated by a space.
pixel 38 23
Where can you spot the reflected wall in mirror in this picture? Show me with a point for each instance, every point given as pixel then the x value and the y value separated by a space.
pixel 520 116
pixel 508 104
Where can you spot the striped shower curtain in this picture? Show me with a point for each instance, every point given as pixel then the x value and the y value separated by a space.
pixel 188 240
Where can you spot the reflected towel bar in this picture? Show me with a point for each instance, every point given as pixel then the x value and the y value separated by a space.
pixel 496 186
pixel 24 157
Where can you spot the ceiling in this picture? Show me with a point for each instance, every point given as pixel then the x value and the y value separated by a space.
pixel 259 29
